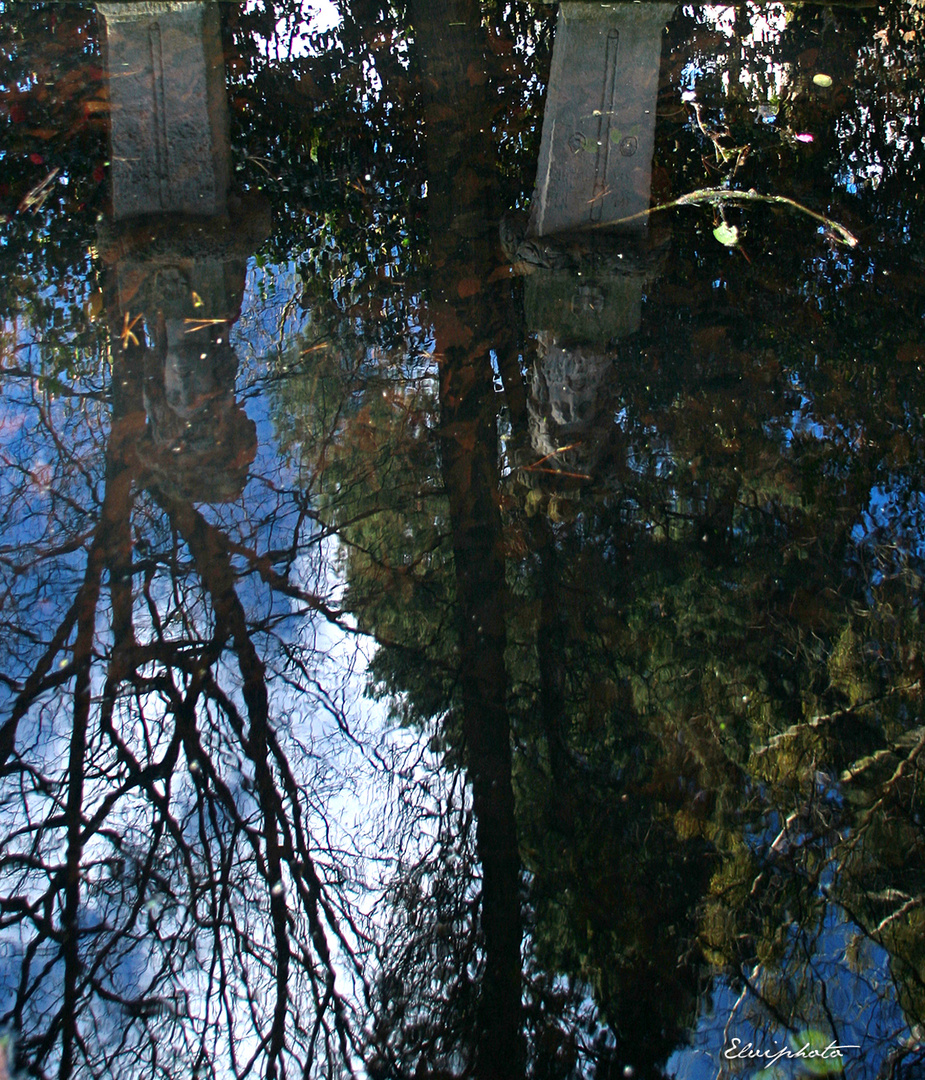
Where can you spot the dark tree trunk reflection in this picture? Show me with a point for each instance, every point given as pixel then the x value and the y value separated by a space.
pixel 469 320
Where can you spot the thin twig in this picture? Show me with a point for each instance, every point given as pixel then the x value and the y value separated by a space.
pixel 721 195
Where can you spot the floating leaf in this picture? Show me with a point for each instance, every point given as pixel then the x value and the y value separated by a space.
pixel 818 1053
pixel 726 234
pixel 94 306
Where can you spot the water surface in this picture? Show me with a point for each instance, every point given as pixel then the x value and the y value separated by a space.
pixel 462 540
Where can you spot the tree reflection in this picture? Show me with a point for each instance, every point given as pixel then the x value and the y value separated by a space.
pixel 168 908
pixel 162 869
pixel 654 662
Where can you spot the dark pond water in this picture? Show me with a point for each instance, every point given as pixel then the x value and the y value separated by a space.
pixel 463 537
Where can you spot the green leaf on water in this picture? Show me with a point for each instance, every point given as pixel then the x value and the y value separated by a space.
pixel 726 234
pixel 812 1041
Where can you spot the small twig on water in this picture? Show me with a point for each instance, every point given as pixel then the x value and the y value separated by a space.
pixel 720 196
pixel 35 198
pixel 201 324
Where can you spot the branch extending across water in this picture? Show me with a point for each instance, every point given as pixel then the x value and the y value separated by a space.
pixel 722 196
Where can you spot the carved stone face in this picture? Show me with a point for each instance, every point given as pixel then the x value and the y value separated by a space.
pixel 565 404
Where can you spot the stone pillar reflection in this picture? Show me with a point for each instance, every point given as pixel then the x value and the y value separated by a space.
pixel 169 136
pixel 176 264
pixel 588 250
pixel 595 163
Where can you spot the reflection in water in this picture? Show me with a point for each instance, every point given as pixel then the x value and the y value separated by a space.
pixel 171 252
pixel 587 248
pixel 595 160
pixel 540 693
